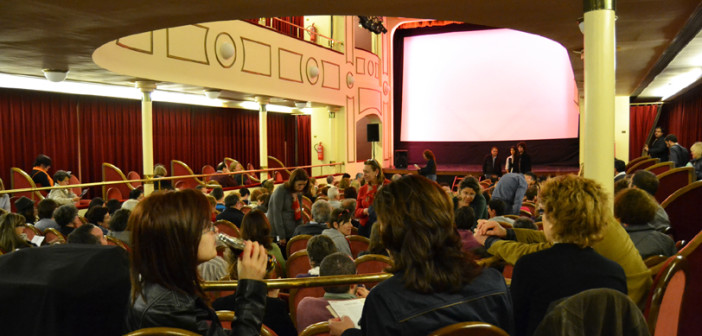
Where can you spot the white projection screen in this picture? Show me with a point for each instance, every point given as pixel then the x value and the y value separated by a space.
pixel 487 85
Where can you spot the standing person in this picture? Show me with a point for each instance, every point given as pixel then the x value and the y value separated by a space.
pixel 658 148
pixel 166 288
pixel 429 171
pixel 40 171
pixel 435 283
pixel 523 163
pixel 160 171
pixel 511 159
pixel 374 177
pixel 492 165
pixel 285 206
pixel 696 162
pixel 678 154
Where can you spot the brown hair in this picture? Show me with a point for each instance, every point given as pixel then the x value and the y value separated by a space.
pixel 429 154
pixel 298 174
pixel 9 240
pixel 255 227
pixel 417 227
pixel 634 207
pixel 375 166
pixel 577 209
pixel 166 228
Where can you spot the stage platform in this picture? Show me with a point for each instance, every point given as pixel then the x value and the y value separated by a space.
pixel 446 172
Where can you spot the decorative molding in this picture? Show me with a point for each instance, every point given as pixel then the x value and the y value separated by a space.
pixel 350 80
pixel 386 88
pixel 222 38
pixel 360 65
pixel 311 61
pixel 332 75
pixel 386 134
pixel 369 100
pixel 350 131
pixel 250 46
pixel 293 57
pixel 371 69
pixel 350 35
pixel 170 54
pixel 124 45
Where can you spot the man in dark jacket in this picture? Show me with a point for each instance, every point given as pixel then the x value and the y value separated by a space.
pixel 492 165
pixel 678 154
pixel 658 148
pixel 232 211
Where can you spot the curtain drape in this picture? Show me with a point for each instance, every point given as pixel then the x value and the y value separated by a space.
pixel 683 117
pixel 641 120
pixel 281 138
pixel 304 141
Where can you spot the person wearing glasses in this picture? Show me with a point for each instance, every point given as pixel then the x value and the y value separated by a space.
pixel 171 233
pixel 374 177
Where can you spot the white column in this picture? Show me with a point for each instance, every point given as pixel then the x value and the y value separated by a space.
pixel 263 134
pixel 147 138
pixel 598 131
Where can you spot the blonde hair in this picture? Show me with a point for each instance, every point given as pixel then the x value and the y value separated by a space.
pixel 696 150
pixel 160 170
pixel 577 208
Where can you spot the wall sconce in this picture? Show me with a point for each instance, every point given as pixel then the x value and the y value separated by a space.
pixel 350 80
pixel 312 71
pixel 54 75
pixel 226 50
pixel 212 93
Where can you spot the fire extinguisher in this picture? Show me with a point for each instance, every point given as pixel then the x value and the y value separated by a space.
pixel 320 151
pixel 313 33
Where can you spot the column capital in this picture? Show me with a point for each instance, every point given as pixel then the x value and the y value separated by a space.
pixel 591 5
pixel 262 100
pixel 145 86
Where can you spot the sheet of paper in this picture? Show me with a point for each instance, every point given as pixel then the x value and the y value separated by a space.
pixel 37 239
pixel 351 308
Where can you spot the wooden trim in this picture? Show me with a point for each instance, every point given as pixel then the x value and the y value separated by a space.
pixel 680 192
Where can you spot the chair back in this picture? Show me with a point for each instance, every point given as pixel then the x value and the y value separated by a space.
pixel 20 180
pixel 297 243
pixel 681 206
pixel 278 177
pixel 530 205
pixel 162 331
pixel 525 213
pixel 227 227
pixel 655 260
pixel 636 160
pixel 273 162
pixel 357 244
pixel 112 241
pixel 643 164
pixel 372 263
pixel 114 193
pixel 317 329
pixel 179 168
pixel 470 329
pixel 297 294
pixel 111 173
pixel 298 263
pixel 456 181
pixel 266 331
pixel 672 180
pixel 31 231
pixel 600 311
pixel 660 167
pixel 246 209
pixel 665 300
pixel 307 203
pixel 207 169
pixel 74 180
pixel 690 323
pixel 132 175
pixel 255 176
pixel 53 236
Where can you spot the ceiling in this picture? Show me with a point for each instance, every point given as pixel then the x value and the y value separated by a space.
pixel 61 34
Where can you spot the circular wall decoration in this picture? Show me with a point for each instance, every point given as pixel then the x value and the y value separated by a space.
pixel 350 80
pixel 386 88
pixel 225 50
pixel 309 71
pixel 371 68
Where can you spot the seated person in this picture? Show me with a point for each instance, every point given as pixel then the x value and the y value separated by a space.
pixel 511 189
pixel 241 179
pixel 648 182
pixel 314 309
pixel 96 202
pixel 40 171
pixel 530 196
pixel 11 231
pixel 118 226
pixel 376 243
pixel 218 195
pixel 465 222
pixel 496 211
pixel 575 213
pixel 62 196
pixel 232 211
pixel 333 196
pixel 99 216
pixel 87 234
pixel 4 200
pixel 226 181
pixel 435 283
pixel 160 184
pixel 470 194
pixel 318 247
pixel 321 212
pixel 339 227
pixel 25 207
pixel 255 227
pixel 244 195
pixel 350 193
pixel 525 223
pixel 619 170
pixel 615 245
pixel 45 210
pixel 113 205
pixel 635 209
pixel 66 216
pixel 135 196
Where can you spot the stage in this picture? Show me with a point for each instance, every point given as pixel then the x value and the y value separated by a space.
pixel 446 172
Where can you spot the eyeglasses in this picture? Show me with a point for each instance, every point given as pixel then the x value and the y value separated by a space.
pixel 540 211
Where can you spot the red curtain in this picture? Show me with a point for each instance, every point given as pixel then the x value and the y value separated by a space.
pixel 37 123
pixel 641 119
pixel 683 117
pixel 304 140
pixel 281 137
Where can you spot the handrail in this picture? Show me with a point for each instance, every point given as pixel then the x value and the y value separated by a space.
pixel 306 29
pixel 329 280
pixel 151 179
pixel 332 42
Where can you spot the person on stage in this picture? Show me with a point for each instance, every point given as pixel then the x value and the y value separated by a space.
pixel 658 148
pixel 511 159
pixel 492 165
pixel 429 171
pixel 523 163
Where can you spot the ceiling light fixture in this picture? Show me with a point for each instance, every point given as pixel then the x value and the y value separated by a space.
pixel 54 75
pixel 212 93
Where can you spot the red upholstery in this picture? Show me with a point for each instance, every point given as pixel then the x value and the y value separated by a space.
pixel 20 180
pixel 207 169
pixel 662 310
pixel 113 193
pixel 643 164
pixel 275 163
pixel 179 168
pixel 227 227
pixel 83 203
pixel 278 177
pixel 250 166
pixel 636 160
pixel 681 207
pixel 307 203
pixel 298 263
pixel 53 236
pixel 132 175
pixel 372 263
pixel 297 243
pixel 690 322
pixel 660 168
pixel 456 181
pixel 297 294
pixel 672 180
pixel 110 172
pixel 357 244
pixel 31 231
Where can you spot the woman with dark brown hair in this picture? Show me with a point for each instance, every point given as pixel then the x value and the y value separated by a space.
pixel 255 227
pixel 285 205
pixel 11 229
pixel 171 234
pixel 429 171
pixel 373 175
pixel 435 283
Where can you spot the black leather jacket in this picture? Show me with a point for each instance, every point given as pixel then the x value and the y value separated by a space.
pixel 162 307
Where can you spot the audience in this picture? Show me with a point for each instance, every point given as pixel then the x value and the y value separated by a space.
pixel 469 194
pixel 321 212
pixel 339 227
pixel 678 154
pixel 373 175
pixel 575 216
pixel 376 243
pixel 87 234
pixel 648 182
pixel 118 226
pixel 696 162
pixel 496 211
pixel 161 184
pixel 511 189
pixel 99 216
pixel 314 309
pixel 465 222
pixel 510 162
pixel 96 202
pixel 113 205
pixel 318 247
pixel 218 195
pixel 263 201
pixel 350 193
pixel 11 231
pixel 635 209
pixel 522 163
pixel 492 164
pixel 285 206
pixel 619 170
pixel 232 211
pixel 244 195
pixel 226 181
pixel 525 223
pixel 66 216
pixel 135 195
pixel 255 227
pixel 40 171
pixel 4 199
pixel 25 207
pixel 430 269
pixel 45 210
pixel 65 195
pixel 333 196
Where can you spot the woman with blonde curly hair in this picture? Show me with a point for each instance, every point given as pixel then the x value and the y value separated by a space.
pixel 575 212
